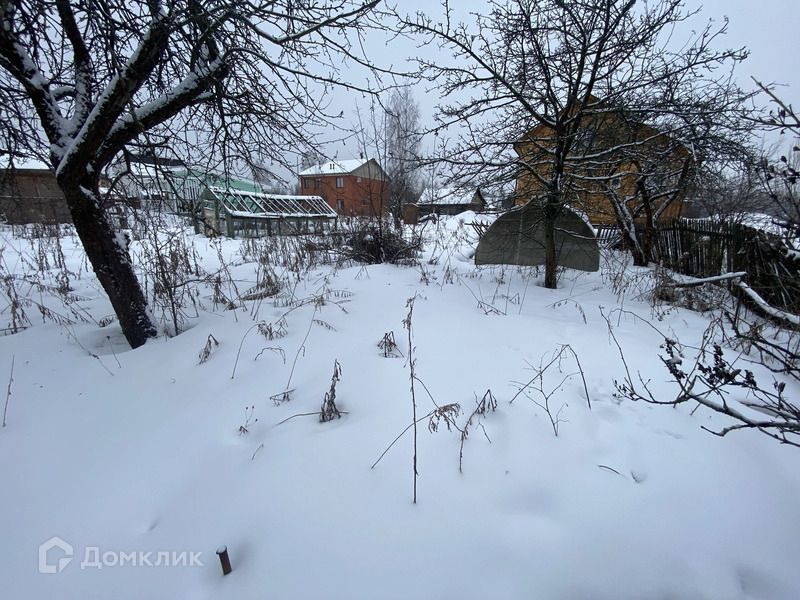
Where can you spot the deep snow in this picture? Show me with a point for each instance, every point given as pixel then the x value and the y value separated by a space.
pixel 140 451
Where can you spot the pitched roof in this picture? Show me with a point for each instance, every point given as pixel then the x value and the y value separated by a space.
pixel 152 159
pixel 446 196
pixel 334 167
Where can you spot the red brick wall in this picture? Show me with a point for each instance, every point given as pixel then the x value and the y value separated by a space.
pixel 358 196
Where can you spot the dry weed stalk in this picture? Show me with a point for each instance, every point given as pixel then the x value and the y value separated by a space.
pixel 329 411
pixel 556 359
pixel 205 353
pixel 483 406
pixel 8 390
pixel 544 396
pixel 407 323
pixel 244 429
pixel 447 414
pixel 169 265
pixel 389 346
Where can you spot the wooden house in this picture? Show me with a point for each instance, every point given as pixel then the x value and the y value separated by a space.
pixel 450 201
pixel 611 156
pixel 32 195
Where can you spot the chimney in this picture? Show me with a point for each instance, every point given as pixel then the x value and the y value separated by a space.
pixel 361 155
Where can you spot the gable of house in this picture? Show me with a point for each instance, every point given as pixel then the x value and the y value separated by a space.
pixel 600 162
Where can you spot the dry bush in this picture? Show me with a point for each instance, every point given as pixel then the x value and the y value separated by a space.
pixel 707 377
pixel 170 268
pixel 372 242
pixel 39 281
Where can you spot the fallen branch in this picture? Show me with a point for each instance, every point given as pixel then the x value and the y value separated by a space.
pixel 766 310
pixel 698 282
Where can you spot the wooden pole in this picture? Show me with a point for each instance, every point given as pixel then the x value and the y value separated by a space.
pixel 224 560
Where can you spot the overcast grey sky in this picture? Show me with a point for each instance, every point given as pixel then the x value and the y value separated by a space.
pixel 770 29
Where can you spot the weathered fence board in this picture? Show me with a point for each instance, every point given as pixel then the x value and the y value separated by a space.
pixel 709 247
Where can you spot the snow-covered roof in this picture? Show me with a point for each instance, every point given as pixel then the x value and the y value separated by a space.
pixel 335 167
pixel 150 170
pixel 24 163
pixel 256 205
pixel 449 196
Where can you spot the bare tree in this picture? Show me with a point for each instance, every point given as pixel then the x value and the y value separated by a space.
pixel 780 175
pixel 403 142
pixel 730 190
pixel 82 81
pixel 373 238
pixel 536 74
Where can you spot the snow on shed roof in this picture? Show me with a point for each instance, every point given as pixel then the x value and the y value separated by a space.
pixel 442 196
pixel 334 167
pixel 25 163
pixel 256 205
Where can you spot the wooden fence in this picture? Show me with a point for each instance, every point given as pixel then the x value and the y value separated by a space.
pixel 709 247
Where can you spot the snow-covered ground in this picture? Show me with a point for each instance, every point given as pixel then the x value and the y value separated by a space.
pixel 128 455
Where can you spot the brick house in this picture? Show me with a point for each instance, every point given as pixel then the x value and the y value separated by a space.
pixel 358 187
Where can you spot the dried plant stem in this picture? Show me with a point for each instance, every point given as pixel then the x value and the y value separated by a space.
pixel 8 390
pixel 316 413
pixel 583 376
pixel 412 377
pixel 395 440
pixel 301 348
pixel 239 352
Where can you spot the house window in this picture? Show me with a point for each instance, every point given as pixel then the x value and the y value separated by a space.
pixel 307 183
pixel 317 183
pixel 340 182
pixel 340 205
